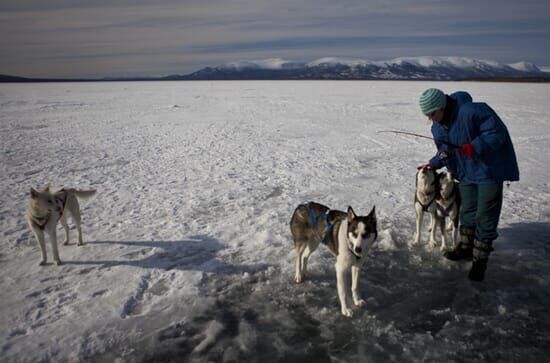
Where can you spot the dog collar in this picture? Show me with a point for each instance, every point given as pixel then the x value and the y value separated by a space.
pixel 445 210
pixel 40 218
pixel 62 201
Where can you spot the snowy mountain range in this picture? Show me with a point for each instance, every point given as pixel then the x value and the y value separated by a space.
pixel 407 68
pixel 412 68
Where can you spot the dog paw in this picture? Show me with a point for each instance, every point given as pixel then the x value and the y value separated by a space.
pixel 80 244
pixel 443 249
pixel 432 244
pixel 360 303
pixel 298 279
pixel 414 243
pixel 66 243
pixel 347 312
pixel 43 263
pixel 58 263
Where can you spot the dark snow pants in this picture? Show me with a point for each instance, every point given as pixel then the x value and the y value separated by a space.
pixel 480 210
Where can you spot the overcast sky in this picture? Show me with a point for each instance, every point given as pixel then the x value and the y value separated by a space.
pixel 97 38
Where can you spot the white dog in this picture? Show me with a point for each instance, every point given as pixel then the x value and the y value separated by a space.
pixel 46 209
pixel 424 202
pixel 346 235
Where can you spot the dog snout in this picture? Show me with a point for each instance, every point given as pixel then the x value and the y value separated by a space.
pixel 358 249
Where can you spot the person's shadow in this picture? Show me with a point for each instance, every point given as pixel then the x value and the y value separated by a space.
pixel 525 235
pixel 522 249
pixel 197 253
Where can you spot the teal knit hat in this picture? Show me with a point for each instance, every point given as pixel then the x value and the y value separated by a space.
pixel 432 100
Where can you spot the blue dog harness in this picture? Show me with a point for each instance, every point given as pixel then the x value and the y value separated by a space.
pixel 315 221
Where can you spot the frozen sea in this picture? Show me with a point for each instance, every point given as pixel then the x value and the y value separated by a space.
pixel 188 254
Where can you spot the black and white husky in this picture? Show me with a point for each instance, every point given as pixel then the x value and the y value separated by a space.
pixel 346 235
pixel 46 209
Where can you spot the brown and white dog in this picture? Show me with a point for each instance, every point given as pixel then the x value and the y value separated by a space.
pixel 447 207
pixel 45 209
pixel 426 193
pixel 346 235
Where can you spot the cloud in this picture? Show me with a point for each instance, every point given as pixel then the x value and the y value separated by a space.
pixel 168 36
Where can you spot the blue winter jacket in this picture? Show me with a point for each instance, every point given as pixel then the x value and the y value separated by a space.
pixel 475 123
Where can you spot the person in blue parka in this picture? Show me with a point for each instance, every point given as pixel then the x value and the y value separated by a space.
pixel 474 144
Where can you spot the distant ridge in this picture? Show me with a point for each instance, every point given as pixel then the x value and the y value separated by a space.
pixel 14 79
pixel 5 78
pixel 411 68
pixel 419 68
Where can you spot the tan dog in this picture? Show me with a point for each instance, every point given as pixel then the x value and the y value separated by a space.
pixel 46 209
pixel 426 193
pixel 448 207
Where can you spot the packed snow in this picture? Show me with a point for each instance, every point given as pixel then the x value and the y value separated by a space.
pixel 188 254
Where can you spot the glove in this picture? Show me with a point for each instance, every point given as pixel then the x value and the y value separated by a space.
pixel 467 150
pixel 429 166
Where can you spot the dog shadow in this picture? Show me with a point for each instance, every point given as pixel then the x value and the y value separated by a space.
pixel 197 253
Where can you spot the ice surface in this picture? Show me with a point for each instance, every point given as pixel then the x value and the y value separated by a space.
pixel 188 254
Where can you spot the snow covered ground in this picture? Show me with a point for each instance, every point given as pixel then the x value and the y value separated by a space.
pixel 188 254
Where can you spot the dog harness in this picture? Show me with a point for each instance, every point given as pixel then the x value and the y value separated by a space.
pixel 445 211
pixel 315 221
pixel 36 220
pixel 62 200
pixel 425 207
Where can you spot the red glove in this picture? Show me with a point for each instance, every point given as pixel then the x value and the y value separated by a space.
pixel 429 166
pixel 467 150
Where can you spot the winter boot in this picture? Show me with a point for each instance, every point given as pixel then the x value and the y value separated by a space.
pixel 481 252
pixel 463 250
pixel 477 272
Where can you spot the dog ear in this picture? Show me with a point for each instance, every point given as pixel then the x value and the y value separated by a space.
pixel 351 214
pixel 34 193
pixel 372 213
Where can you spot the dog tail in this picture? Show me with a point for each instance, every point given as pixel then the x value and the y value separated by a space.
pixel 83 194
